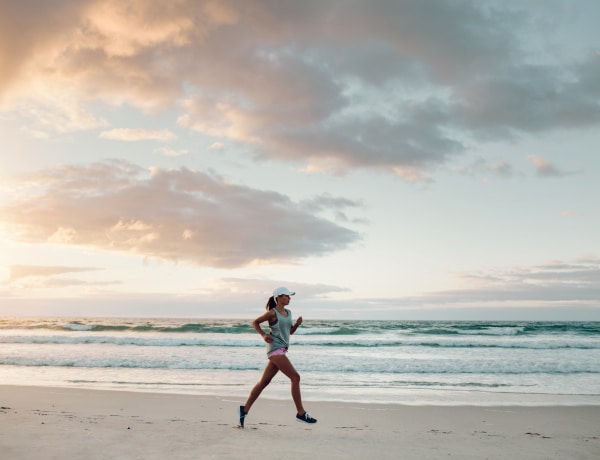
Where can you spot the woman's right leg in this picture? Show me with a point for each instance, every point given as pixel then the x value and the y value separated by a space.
pixel 285 365
pixel 268 374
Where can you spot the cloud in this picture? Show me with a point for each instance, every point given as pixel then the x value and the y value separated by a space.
pixel 33 277
pixel 18 272
pixel 401 87
pixel 544 168
pixel 482 167
pixel 555 282
pixel 260 287
pixel 56 112
pixel 216 147
pixel 172 152
pixel 562 291
pixel 572 214
pixel 133 135
pixel 177 215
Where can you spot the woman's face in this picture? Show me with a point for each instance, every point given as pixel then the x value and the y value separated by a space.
pixel 283 299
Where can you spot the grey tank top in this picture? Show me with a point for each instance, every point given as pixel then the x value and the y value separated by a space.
pixel 280 331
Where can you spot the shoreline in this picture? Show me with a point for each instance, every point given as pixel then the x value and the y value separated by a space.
pixel 279 390
pixel 52 422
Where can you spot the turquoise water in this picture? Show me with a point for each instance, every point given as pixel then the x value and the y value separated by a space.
pixel 369 361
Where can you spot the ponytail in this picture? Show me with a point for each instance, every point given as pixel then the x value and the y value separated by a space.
pixel 270 304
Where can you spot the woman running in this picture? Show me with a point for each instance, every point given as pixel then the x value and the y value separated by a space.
pixel 278 341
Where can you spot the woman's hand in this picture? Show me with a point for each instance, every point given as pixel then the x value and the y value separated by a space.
pixel 297 325
pixel 261 319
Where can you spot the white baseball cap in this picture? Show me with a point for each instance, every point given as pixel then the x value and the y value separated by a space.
pixel 282 291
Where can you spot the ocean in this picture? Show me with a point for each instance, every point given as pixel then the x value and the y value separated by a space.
pixel 404 362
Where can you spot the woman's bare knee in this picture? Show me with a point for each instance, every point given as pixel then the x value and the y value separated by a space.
pixel 295 377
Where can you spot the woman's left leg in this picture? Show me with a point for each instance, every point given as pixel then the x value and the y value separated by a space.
pixel 268 374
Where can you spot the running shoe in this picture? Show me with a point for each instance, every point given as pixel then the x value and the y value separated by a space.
pixel 306 418
pixel 242 415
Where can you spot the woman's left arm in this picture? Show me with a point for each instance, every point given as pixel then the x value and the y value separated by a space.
pixel 297 325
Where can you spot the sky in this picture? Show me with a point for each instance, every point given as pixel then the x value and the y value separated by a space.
pixel 399 160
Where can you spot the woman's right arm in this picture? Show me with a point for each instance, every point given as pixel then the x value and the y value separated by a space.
pixel 261 319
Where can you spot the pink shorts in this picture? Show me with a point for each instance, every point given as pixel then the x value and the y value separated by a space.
pixel 279 351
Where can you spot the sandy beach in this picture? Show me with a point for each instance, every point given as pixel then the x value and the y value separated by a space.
pixel 63 423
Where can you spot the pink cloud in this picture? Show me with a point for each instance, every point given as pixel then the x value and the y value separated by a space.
pixel 177 215
pixel 393 86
